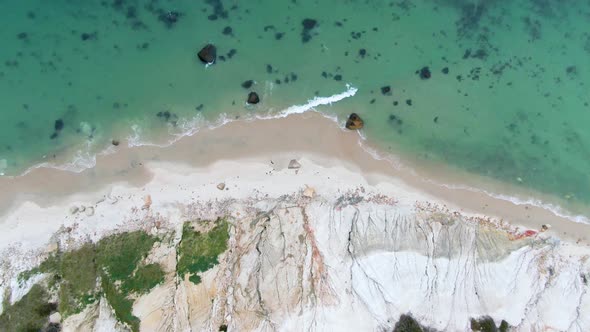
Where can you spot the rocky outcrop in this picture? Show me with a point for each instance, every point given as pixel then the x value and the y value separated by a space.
pixel 208 54
pixel 354 122
pixel 253 98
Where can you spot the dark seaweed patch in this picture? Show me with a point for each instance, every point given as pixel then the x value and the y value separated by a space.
pixel 247 84
pixel 85 36
pixel 58 125
pixel 308 25
pixel 424 73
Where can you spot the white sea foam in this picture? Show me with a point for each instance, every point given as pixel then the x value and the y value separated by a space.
pixel 189 127
pixel 555 209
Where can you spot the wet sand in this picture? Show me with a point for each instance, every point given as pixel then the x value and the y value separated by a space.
pixel 309 136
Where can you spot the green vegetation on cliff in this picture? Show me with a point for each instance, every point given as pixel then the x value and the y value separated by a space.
pixel 31 313
pixel 109 268
pixel 198 252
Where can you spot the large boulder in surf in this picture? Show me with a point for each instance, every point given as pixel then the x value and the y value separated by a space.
pixel 208 54
pixel 253 98
pixel 354 122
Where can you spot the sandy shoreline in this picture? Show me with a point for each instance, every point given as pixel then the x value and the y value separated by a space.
pixel 265 141
pixel 351 222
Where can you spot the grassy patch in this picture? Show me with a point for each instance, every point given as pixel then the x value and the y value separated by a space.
pixel 31 313
pixel 114 258
pixel 198 251
pixel 119 254
pixel 145 278
pixel 76 276
pixel 122 305
pixel 407 323
pixel 487 324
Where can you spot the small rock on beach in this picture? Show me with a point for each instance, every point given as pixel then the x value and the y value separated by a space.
pixel 354 122
pixel 294 164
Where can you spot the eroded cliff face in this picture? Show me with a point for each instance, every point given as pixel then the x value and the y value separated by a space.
pixel 360 262
pixel 355 263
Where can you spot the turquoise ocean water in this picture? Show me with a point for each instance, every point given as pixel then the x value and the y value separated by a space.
pixel 497 88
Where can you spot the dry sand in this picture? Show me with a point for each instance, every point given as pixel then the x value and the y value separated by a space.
pixel 271 143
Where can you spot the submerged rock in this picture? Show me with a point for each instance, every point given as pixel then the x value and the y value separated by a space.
pixel 354 122
pixel 253 98
pixel 208 54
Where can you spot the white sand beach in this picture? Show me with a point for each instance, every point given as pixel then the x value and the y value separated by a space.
pixel 342 242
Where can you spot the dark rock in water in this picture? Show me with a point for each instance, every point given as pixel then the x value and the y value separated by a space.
pixel 253 98
pixel 208 54
pixel 445 70
pixel 59 124
pixel 115 142
pixel 309 23
pixel 54 135
pixel 269 69
pixel 362 52
pixel 425 73
pixel 386 90
pixel 200 107
pixel 409 102
pixel 231 53
pixel 354 122
pixel 22 35
pixel 279 35
pixel 227 31
pixel 338 77
pixel 247 84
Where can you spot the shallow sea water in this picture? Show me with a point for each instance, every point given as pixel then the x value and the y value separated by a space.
pixel 507 95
